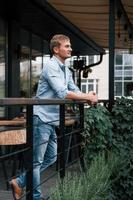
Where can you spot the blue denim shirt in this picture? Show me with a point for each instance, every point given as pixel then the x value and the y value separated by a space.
pixel 55 82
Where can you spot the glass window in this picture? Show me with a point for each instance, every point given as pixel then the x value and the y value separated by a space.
pixel 118 67
pixel 118 73
pixel 25 71
pixel 118 89
pixel 128 67
pixel 83 80
pixel 83 88
pixel 36 62
pixel 24 63
pixel 123 73
pixel 128 88
pixel 128 60
pixel 91 60
pixel 2 62
pixel 36 69
pixel 118 78
pixel 127 73
pixel 31 63
pixel 90 87
pixel 90 80
pixel 118 59
pixel 128 78
pixel 96 88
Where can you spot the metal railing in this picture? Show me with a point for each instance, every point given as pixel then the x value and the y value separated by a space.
pixel 64 147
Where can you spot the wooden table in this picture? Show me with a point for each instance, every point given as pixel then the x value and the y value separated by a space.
pixel 13 122
pixel 13 131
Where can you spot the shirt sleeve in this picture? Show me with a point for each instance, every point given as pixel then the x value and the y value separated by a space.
pixel 71 85
pixel 52 75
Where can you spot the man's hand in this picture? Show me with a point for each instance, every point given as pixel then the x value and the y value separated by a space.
pixel 92 98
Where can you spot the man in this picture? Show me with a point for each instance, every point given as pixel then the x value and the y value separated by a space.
pixel 55 82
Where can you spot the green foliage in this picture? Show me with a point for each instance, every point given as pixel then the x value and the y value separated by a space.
pixel 69 188
pixel 98 131
pixel 122 120
pixel 93 185
pixel 108 177
pixel 97 177
pixel 122 181
pixel 122 143
pixel 113 131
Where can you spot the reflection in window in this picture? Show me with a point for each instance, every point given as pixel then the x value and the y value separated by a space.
pixel 25 71
pixel 2 63
pixel 31 62
pixel 36 62
pixel 36 71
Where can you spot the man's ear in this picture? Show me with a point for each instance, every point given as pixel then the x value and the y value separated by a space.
pixel 55 49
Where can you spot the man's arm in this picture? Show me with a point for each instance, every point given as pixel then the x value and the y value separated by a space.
pixel 75 93
pixel 90 97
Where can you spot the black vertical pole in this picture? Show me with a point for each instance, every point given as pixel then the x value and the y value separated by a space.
pixel 29 156
pixel 62 140
pixel 30 58
pixel 81 150
pixel 79 79
pixel 111 51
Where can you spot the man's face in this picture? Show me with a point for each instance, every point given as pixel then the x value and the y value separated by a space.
pixel 64 50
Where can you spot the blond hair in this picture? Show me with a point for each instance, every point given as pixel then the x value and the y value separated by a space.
pixel 56 41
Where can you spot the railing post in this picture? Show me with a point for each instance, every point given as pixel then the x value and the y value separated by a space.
pixel 29 156
pixel 111 51
pixel 62 141
pixel 81 110
pixel 81 150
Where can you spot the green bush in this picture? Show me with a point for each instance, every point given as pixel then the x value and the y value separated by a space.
pixel 92 185
pixel 98 131
pixel 122 181
pixel 122 144
pixel 122 120
pixel 113 132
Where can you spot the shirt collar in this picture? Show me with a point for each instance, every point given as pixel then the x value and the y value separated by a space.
pixel 59 62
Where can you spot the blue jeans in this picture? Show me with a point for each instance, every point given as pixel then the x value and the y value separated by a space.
pixel 44 153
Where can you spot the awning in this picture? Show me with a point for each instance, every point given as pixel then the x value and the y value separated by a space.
pixel 56 23
pixel 92 18
pixel 40 18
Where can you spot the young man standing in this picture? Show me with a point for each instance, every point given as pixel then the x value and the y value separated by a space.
pixel 55 82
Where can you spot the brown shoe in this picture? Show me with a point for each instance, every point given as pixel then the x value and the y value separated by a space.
pixel 16 190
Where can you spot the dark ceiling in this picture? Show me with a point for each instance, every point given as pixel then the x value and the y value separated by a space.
pixel 41 19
